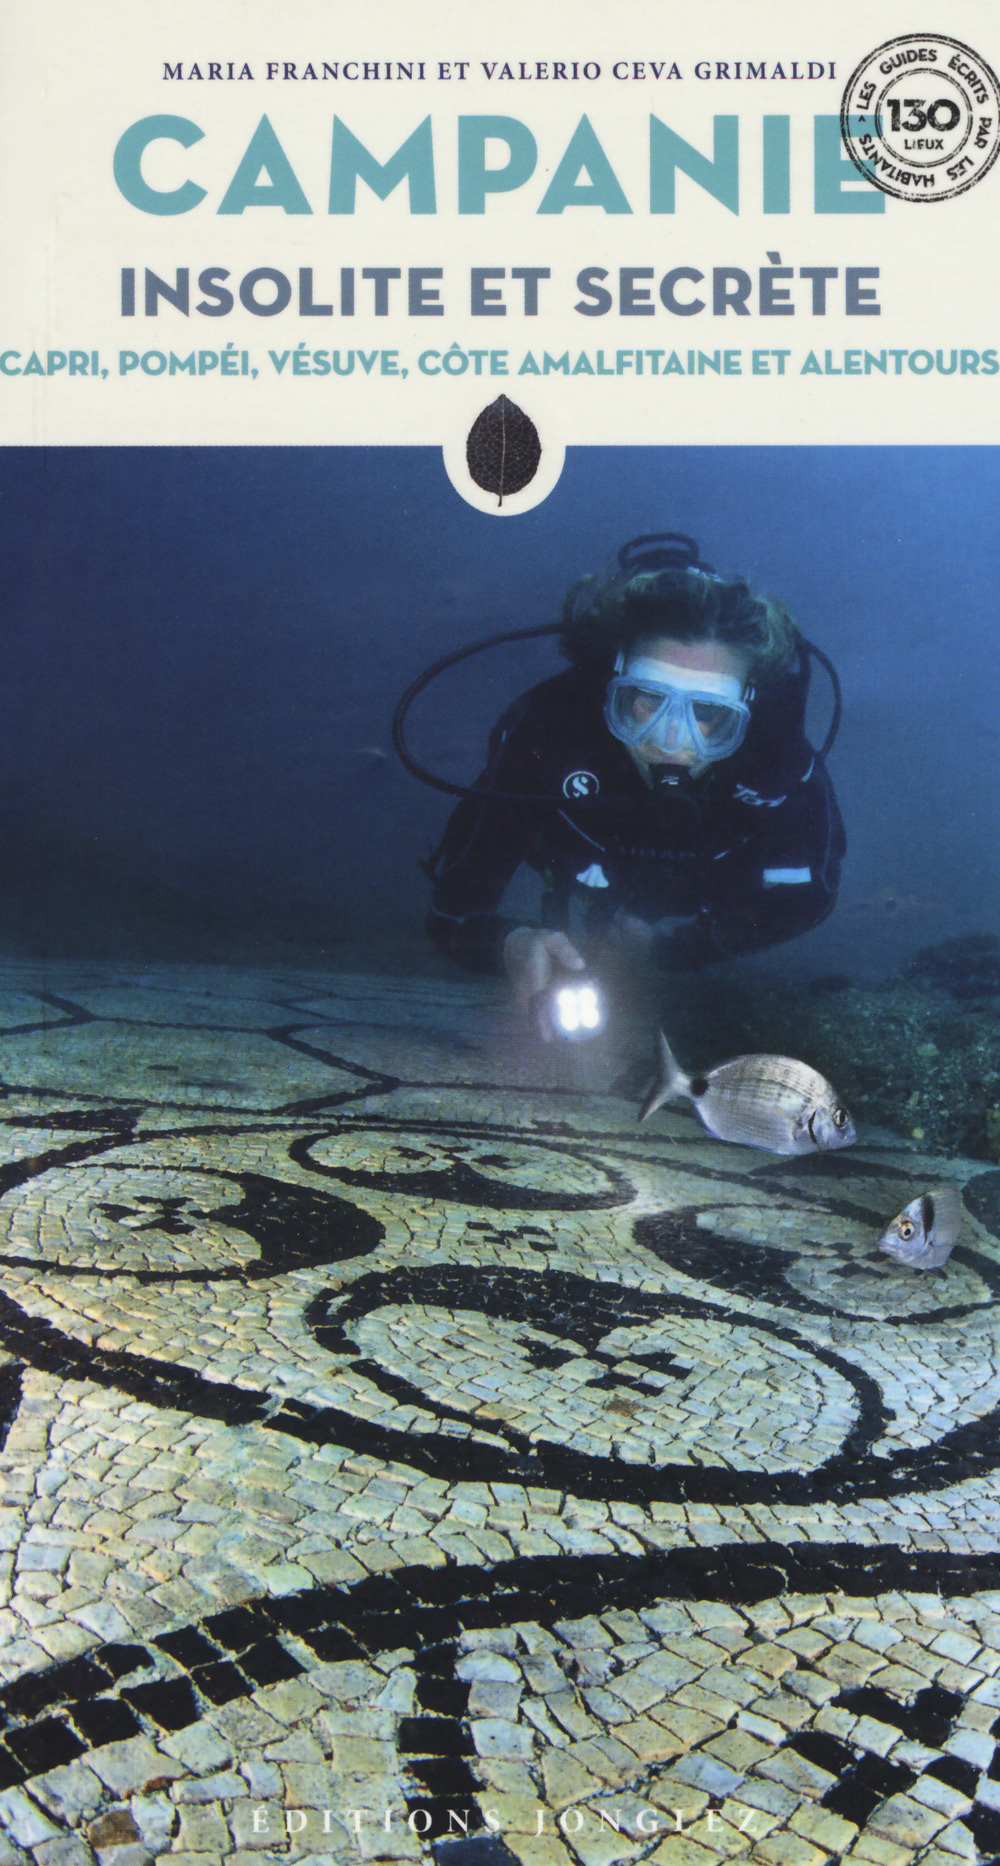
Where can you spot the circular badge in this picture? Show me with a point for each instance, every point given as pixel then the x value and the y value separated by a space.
pixel 921 117
pixel 580 784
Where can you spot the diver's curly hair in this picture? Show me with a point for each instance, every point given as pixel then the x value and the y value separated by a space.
pixel 602 616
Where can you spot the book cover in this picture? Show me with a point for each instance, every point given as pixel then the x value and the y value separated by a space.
pixel 500 563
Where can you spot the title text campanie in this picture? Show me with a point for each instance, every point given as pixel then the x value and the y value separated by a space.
pixel 497 155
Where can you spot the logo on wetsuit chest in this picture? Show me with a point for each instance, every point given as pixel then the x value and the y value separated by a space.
pixel 580 784
pixel 743 795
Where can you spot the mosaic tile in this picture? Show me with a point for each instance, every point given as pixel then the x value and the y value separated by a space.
pixel 397 1444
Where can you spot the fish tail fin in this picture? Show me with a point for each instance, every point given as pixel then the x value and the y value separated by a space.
pixel 670 1081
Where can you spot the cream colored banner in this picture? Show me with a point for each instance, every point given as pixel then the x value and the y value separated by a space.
pixel 637 224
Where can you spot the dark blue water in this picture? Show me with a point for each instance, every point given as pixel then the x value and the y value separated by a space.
pixel 202 652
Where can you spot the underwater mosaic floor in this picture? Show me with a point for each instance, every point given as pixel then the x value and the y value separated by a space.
pixel 407 1458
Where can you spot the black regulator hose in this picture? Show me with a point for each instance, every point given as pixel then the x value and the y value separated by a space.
pixel 826 663
pixel 402 750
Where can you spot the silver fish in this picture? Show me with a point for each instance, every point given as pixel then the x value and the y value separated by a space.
pixel 773 1102
pixel 923 1235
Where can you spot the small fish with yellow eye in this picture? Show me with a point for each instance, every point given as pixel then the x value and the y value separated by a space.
pixel 923 1235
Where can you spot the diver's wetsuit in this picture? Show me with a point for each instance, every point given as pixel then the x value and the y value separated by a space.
pixel 748 853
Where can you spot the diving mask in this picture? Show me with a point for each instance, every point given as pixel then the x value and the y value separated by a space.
pixel 677 709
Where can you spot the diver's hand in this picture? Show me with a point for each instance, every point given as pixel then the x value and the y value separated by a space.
pixel 533 957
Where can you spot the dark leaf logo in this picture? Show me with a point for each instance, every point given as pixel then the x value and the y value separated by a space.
pixel 503 449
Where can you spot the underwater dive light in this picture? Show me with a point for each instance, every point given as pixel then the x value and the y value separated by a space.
pixel 577 1010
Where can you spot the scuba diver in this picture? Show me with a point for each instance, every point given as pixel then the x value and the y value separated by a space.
pixel 663 781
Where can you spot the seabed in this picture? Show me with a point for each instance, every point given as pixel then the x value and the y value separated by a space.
pixel 406 1457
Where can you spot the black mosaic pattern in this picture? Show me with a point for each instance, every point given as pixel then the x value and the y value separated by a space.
pixel 334 1172
pixel 52 1717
